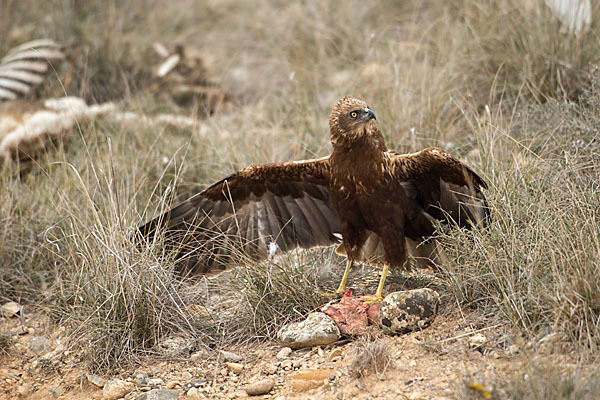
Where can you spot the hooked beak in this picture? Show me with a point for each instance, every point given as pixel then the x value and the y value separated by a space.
pixel 369 114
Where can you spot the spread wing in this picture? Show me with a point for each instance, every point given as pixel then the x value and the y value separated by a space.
pixel 250 214
pixel 436 186
pixel 441 186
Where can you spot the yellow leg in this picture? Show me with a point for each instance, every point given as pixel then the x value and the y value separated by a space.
pixel 340 290
pixel 377 297
pixel 381 282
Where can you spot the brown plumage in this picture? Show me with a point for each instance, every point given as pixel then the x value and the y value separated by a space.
pixel 383 204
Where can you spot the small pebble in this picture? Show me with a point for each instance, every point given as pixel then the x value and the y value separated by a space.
pixel 10 309
pixel 141 379
pixel 96 380
pixel 172 385
pixel 56 392
pixel 477 341
pixel 155 382
pixel 261 387
pixel 228 356
pixel 335 353
pixel 236 368
pixel 270 369
pixel 40 344
pixel 194 384
pixel 283 353
pixel 159 394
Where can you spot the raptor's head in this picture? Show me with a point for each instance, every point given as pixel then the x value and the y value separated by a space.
pixel 351 119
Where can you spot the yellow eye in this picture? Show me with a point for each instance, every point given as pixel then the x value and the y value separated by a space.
pixel 353 114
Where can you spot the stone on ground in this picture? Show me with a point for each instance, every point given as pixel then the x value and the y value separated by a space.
pixel 317 329
pixel 40 345
pixel 116 388
pixel 96 380
pixel 307 380
pixel 10 309
pixel 407 311
pixel 261 387
pixel 283 353
pixel 229 356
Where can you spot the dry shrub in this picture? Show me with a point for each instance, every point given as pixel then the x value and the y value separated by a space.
pixel 6 343
pixel 370 354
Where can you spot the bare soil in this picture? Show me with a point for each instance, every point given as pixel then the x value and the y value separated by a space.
pixel 434 363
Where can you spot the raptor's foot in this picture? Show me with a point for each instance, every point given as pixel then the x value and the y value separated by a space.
pixel 372 299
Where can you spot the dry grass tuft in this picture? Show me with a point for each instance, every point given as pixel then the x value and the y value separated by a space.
pixel 370 354
pixel 536 263
pixel 6 343
pixel 514 48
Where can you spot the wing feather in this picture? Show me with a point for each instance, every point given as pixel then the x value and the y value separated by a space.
pixel 441 186
pixel 301 226
pixel 239 216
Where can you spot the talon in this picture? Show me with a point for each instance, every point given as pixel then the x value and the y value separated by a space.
pixel 372 299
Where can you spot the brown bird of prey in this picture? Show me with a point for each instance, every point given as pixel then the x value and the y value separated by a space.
pixel 381 204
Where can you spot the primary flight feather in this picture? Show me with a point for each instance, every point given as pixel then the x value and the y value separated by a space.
pixel 382 205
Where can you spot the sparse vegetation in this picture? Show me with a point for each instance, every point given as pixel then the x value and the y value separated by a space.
pixel 370 355
pixel 538 380
pixel 495 82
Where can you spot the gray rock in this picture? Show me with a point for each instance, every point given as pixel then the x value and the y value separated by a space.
pixel 116 388
pixel 40 345
pixel 154 382
pixel 228 356
pixel 270 369
pixel 159 394
pixel 24 391
pixel 261 387
pixel 141 379
pixel 477 341
pixel 194 384
pixel 407 311
pixel 96 380
pixel 317 329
